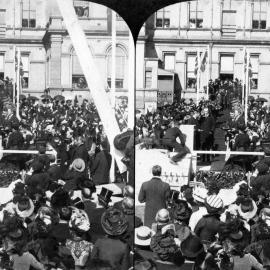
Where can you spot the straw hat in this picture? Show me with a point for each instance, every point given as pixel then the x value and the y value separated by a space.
pixel 78 165
pixel 143 236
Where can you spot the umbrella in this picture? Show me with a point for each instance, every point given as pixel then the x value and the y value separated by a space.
pixel 59 98
pixel 260 99
pixel 33 98
pixel 21 97
pixel 46 97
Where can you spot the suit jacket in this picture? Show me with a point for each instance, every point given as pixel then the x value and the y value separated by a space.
pixel 100 169
pixel 155 194
pixel 79 152
pixel 113 251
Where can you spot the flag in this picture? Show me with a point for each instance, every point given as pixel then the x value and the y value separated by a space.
pixel 18 62
pixel 247 64
pixel 196 64
pixel 203 61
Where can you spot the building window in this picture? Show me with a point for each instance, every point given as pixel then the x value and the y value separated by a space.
pixel 78 79
pixel 120 67
pixel 25 63
pixel 169 61
pixel 2 17
pixel 148 78
pixel 28 14
pixel 195 14
pixel 190 76
pixel 259 8
pixel 226 67
pixel 163 18
pixel 81 8
pixel 254 61
pixel 2 66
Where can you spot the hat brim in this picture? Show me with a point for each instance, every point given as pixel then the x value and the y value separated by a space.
pixel 250 214
pixel 25 213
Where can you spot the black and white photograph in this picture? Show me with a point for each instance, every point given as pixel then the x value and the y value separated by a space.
pixel 66 136
pixel 202 136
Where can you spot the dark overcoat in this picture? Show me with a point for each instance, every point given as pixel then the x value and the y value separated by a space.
pixel 155 194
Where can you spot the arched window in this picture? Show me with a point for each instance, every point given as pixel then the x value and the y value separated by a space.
pixel 78 79
pixel 120 67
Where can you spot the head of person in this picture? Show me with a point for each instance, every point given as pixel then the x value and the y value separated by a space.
pixel 156 170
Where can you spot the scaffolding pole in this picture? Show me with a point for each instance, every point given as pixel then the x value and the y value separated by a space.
pixel 92 75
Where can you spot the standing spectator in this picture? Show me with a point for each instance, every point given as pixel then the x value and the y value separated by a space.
pixel 207 127
pixel 100 169
pixel 155 194
pixel 112 248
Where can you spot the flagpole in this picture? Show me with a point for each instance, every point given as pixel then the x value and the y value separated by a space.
pixel 208 73
pixel 246 92
pixel 244 77
pixel 112 173
pixel 18 83
pixel 14 76
pixel 131 81
pixel 197 79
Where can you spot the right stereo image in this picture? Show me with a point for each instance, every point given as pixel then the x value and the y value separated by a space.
pixel 202 137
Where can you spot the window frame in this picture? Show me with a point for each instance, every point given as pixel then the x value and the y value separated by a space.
pixel 148 70
pixel 196 11
pixel 26 72
pixel 169 54
pixel 84 7
pixel 255 73
pixel 260 12
pixel 190 89
pixel 118 79
pixel 163 26
pixel 29 18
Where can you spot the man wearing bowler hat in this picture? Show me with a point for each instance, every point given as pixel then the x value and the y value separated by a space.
pixel 154 193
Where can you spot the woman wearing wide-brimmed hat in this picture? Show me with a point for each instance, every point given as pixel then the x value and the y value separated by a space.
pixel 79 245
pixel 112 247
pixel 209 225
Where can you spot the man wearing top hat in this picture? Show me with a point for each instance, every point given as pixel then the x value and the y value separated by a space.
pixel 154 193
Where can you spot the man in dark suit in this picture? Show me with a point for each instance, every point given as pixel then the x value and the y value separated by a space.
pixel 154 194
pixel 79 150
pixel 207 127
pixel 169 141
pixel 100 168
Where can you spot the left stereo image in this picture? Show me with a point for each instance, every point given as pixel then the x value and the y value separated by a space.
pixel 66 136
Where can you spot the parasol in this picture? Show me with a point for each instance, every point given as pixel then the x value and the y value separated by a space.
pixel 59 98
pixel 261 99
pixel 33 98
pixel 22 97
pixel 46 97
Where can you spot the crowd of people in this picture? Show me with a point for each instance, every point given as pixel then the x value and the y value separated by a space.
pixel 197 228
pixel 224 109
pixel 56 212
pixel 220 223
